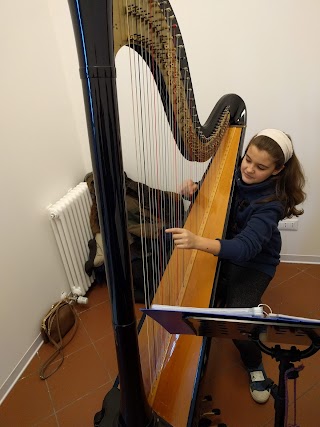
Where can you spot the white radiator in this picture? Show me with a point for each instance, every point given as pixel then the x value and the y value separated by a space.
pixel 70 220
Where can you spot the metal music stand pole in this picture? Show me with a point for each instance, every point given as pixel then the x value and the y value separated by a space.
pixel 286 358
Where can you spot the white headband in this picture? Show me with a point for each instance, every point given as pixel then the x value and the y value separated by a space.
pixel 281 139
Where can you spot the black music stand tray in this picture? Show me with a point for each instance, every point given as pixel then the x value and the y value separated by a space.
pixel 273 329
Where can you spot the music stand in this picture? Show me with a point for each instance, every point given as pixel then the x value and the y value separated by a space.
pixel 273 329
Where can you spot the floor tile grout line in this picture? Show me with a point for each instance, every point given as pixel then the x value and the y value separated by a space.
pixel 56 411
pixel 93 342
pixel 66 356
pixel 93 306
pixel 307 267
pixel 36 371
pixel 307 391
pixel 52 402
pixel 84 326
pixel 76 350
pixel 57 419
pixel 44 419
pixel 313 276
pixel 286 280
pixel 91 339
pixel 102 360
pixel 82 397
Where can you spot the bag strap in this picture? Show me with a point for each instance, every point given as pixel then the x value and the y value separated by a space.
pixel 60 345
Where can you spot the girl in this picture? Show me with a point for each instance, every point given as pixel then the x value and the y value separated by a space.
pixel 269 186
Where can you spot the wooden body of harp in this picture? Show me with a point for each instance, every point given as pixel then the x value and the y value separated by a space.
pixel 170 387
pixel 172 392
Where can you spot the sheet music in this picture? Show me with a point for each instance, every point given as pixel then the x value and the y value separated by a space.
pixel 255 312
pixel 275 316
pixel 245 312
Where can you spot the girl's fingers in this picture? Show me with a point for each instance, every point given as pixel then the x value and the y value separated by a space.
pixel 174 230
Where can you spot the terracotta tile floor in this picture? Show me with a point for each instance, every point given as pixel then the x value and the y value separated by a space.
pixel 295 290
pixel 72 396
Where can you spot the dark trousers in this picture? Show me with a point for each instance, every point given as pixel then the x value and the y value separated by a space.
pixel 240 287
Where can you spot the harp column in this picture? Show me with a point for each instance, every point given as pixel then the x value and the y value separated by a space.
pixel 92 23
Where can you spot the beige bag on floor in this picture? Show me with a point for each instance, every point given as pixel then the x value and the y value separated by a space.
pixel 60 319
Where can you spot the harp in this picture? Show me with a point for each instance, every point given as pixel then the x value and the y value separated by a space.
pixel 162 392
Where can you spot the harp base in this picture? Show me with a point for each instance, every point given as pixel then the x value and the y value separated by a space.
pixel 109 414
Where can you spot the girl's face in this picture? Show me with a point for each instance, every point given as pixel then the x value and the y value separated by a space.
pixel 257 166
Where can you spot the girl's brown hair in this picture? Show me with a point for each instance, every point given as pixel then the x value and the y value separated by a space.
pixel 289 182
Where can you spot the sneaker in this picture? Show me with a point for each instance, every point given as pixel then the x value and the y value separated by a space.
pixel 260 384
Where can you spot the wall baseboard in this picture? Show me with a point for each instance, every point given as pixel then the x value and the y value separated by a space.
pixel 300 259
pixel 18 370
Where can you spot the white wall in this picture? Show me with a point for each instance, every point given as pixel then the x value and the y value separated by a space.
pixel 267 52
pixel 40 160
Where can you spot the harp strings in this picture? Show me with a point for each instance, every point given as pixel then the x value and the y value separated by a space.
pixel 158 161
pixel 147 128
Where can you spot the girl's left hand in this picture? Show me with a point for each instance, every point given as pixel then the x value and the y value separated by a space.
pixel 183 239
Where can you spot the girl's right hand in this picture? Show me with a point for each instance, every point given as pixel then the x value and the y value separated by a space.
pixel 188 188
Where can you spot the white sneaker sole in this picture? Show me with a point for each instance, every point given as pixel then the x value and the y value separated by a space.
pixel 260 396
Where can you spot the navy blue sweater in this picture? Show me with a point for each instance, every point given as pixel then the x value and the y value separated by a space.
pixel 253 239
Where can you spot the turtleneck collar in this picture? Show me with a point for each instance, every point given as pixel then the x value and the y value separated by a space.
pixel 264 188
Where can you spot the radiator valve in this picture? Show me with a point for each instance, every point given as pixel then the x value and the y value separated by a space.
pixel 82 300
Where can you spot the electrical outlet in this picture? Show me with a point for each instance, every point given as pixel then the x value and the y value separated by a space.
pixel 288 224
